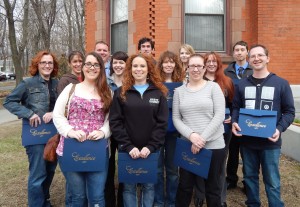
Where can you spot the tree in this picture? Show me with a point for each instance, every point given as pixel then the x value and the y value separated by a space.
pixel 17 51
pixel 45 12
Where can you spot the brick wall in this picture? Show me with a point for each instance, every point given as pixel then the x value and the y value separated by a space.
pixel 279 29
pixel 272 23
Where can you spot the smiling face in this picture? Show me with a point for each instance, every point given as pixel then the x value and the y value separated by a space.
pixel 76 65
pixel 211 64
pixel 103 51
pixel 118 66
pixel 184 55
pixel 91 68
pixel 45 66
pixel 168 66
pixel 139 70
pixel 196 68
pixel 258 59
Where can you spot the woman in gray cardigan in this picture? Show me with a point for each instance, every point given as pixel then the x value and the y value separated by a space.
pixel 198 115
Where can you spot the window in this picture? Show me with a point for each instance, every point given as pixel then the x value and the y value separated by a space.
pixel 204 24
pixel 119 25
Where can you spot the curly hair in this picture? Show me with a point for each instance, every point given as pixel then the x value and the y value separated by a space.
pixel 154 77
pixel 102 86
pixel 34 67
pixel 224 82
pixel 178 74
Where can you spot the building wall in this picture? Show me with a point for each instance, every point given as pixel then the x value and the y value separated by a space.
pixel 272 23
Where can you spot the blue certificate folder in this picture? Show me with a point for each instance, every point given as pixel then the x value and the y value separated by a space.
pixel 84 156
pixel 37 135
pixel 196 163
pixel 171 87
pixel 137 170
pixel 257 123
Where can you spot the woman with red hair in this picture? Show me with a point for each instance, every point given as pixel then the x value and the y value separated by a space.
pixel 139 118
pixel 34 99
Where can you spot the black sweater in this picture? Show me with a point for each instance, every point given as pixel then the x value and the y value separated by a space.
pixel 140 121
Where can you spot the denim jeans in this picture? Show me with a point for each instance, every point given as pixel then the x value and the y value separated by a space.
pixel 130 195
pixel 269 162
pixel 166 161
pixel 40 176
pixel 87 185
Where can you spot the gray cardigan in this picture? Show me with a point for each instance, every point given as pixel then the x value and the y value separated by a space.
pixel 202 112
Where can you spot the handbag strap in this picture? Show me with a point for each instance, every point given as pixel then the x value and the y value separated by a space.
pixel 70 93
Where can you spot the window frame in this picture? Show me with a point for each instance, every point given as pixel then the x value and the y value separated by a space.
pixel 226 26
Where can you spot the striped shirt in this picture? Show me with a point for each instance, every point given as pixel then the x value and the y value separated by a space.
pixel 201 111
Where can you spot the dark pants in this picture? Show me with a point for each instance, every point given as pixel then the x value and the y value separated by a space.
pixel 233 160
pixel 212 185
pixel 109 192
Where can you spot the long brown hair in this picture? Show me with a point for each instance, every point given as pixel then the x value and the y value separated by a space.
pixel 101 83
pixel 154 77
pixel 224 82
pixel 177 75
pixel 34 67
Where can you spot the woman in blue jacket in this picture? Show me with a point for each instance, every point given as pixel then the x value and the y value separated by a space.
pixel 138 119
pixel 34 99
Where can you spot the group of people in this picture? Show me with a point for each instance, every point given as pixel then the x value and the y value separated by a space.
pixel 124 99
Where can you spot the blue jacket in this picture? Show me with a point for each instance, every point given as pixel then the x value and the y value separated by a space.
pixel 277 97
pixel 30 97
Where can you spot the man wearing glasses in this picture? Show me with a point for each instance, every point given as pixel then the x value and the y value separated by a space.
pixel 263 91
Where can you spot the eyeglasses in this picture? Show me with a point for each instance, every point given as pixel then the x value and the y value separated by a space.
pixel 259 56
pixel 211 62
pixel 90 65
pixel 44 63
pixel 196 66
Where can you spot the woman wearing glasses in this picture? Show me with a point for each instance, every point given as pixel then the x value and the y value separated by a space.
pixel 88 108
pixel 34 99
pixel 198 115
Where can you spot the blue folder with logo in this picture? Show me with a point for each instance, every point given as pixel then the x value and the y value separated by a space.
pixel 37 135
pixel 196 163
pixel 257 123
pixel 137 170
pixel 171 87
pixel 86 156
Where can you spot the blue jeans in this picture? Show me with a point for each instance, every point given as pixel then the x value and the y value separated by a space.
pixel 40 176
pixel 166 161
pixel 130 195
pixel 269 162
pixel 88 185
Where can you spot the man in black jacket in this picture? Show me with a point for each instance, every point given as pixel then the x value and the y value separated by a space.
pixel 236 70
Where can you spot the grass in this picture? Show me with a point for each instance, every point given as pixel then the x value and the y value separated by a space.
pixel 14 173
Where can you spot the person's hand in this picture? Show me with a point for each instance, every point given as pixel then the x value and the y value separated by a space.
pixel 78 134
pixel 34 120
pixel 195 149
pixel 197 140
pixel 236 129
pixel 47 117
pixel 145 152
pixel 95 135
pixel 275 136
pixel 227 121
pixel 134 153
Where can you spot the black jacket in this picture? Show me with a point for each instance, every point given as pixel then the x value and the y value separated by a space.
pixel 230 71
pixel 140 121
